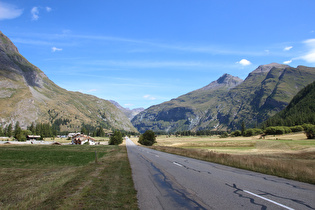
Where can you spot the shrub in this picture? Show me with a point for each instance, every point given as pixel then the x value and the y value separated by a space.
pixel 148 138
pixel 277 130
pixel 249 132
pixel 224 135
pixel 252 132
pixel 309 130
pixel 236 133
pixel 297 128
pixel 116 138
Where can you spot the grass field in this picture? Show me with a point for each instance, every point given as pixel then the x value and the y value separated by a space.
pixel 65 177
pixel 291 156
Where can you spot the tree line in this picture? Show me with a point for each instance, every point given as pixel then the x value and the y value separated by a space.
pixel 47 130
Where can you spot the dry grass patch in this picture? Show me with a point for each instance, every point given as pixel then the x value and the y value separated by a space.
pixel 289 156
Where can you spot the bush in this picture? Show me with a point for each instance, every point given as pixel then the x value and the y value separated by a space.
pixel 116 138
pixel 277 130
pixel 236 133
pixel 253 132
pixel 147 139
pixel 224 135
pixel 309 130
pixel 297 128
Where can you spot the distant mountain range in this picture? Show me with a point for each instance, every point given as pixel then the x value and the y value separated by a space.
pixel 130 113
pixel 226 102
pixel 27 95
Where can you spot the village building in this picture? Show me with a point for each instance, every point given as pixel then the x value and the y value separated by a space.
pixel 70 135
pixel 82 139
pixel 33 137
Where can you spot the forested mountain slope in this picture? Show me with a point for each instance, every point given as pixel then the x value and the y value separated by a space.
pixel 300 110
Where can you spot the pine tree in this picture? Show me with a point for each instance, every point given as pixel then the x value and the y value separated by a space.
pixel 9 130
pixel 243 128
pixel 116 138
pixel 32 128
pixel 17 131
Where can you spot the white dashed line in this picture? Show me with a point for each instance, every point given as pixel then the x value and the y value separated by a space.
pixel 177 164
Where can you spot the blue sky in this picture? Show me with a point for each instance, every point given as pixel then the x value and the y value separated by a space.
pixel 144 52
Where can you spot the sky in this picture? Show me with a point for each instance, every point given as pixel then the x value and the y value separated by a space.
pixel 144 52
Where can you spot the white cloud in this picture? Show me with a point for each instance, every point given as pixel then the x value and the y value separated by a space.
pixel 310 56
pixel 287 62
pixel 244 62
pixel 91 90
pixel 9 11
pixel 149 97
pixel 35 13
pixel 54 49
pixel 288 48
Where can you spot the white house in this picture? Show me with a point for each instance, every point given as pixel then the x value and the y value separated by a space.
pixel 82 139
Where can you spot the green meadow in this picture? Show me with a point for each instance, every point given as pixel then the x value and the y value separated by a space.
pixel 65 177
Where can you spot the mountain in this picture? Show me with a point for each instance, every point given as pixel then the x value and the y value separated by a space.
pixel 130 113
pixel 27 95
pixel 226 102
pixel 300 110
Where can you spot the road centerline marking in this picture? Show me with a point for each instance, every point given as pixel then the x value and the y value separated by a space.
pixel 271 201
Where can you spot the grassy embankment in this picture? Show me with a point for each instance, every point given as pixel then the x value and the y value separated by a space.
pixel 290 156
pixel 65 177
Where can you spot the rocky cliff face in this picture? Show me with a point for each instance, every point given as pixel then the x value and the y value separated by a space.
pixel 27 95
pixel 226 102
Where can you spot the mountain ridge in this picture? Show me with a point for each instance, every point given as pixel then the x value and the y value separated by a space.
pixel 27 95
pixel 265 91
pixel 130 113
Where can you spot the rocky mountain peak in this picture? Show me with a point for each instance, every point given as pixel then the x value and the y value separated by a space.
pixel 266 68
pixel 225 81
pixel 6 45
pixel 130 113
pixel 16 65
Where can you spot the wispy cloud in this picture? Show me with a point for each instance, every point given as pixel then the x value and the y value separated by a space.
pixel 310 55
pixel 35 13
pixel 54 49
pixel 129 105
pixel 288 48
pixel 184 47
pixel 149 97
pixel 244 62
pixel 91 90
pixel 9 11
pixel 287 62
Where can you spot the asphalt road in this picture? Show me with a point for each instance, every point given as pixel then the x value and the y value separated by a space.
pixel 166 181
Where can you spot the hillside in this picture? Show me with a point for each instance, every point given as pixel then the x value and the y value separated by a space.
pixel 27 95
pixel 300 110
pixel 226 102
pixel 130 113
